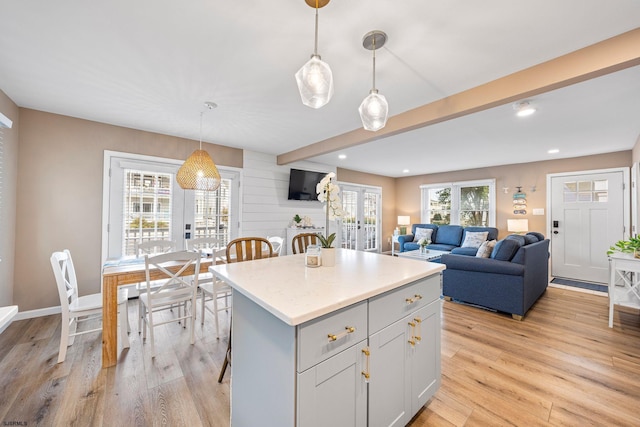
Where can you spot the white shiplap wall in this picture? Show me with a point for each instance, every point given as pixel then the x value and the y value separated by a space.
pixel 265 187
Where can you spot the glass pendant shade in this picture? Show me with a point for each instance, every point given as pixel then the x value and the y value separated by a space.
pixel 315 82
pixel 374 111
pixel 198 172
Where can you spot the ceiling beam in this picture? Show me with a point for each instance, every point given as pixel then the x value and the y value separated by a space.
pixel 605 57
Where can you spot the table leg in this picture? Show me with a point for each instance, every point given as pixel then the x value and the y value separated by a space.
pixel 109 321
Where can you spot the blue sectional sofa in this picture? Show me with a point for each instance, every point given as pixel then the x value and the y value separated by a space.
pixel 511 280
pixel 445 238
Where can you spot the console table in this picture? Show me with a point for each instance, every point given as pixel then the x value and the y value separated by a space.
pixel 624 282
pixel 356 344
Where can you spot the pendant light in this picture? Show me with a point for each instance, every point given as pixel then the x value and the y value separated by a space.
pixel 199 172
pixel 315 80
pixel 374 108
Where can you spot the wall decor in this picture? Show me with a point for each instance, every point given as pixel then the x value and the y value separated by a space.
pixel 519 202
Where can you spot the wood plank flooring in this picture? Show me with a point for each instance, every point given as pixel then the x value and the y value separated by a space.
pixel 561 366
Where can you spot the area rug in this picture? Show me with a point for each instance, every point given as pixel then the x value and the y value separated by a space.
pixel 578 284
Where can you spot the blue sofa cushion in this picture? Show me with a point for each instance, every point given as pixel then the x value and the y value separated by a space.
pixel 505 249
pixel 529 239
pixel 540 236
pixel 483 265
pixel 517 238
pixel 465 251
pixel 448 235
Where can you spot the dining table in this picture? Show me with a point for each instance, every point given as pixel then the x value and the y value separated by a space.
pixel 126 271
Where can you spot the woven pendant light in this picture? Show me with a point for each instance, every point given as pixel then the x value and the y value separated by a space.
pixel 199 172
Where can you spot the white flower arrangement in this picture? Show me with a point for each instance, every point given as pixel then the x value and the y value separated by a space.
pixel 424 242
pixel 328 193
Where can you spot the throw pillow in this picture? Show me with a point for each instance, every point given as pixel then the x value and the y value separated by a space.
pixel 485 249
pixel 474 239
pixel 505 249
pixel 422 233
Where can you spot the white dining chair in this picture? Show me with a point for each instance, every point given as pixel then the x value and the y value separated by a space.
pixel 77 308
pixel 173 289
pixel 276 242
pixel 150 247
pixel 216 290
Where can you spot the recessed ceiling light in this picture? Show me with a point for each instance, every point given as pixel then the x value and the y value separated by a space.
pixel 553 151
pixel 342 156
pixel 405 170
pixel 524 108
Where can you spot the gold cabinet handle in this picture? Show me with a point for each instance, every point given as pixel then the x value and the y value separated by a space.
pixel 366 373
pixel 347 330
pixel 409 300
pixel 417 296
pixel 417 337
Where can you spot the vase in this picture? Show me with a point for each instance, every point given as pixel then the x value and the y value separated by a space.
pixel 423 249
pixel 328 257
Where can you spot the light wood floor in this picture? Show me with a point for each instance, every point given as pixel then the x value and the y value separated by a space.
pixel 562 365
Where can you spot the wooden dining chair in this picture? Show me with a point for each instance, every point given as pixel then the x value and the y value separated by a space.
pixel 248 249
pixel 214 290
pixel 173 289
pixel 150 247
pixel 77 308
pixel 240 250
pixel 301 241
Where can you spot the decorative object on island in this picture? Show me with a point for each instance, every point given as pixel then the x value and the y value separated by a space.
pixel 374 108
pixel 631 246
pixel 199 172
pixel 328 193
pixel 313 256
pixel 518 226
pixel 403 221
pixel 424 242
pixel 314 78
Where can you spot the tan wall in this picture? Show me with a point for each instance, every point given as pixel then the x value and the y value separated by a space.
pixel 60 195
pixel 388 198
pixel 524 174
pixel 8 211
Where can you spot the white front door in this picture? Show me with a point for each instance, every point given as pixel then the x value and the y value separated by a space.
pixel 587 217
pixel 361 220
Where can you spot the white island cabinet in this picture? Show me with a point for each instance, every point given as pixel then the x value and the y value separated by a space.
pixel 357 344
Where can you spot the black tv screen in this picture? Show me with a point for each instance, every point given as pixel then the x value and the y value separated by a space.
pixel 302 184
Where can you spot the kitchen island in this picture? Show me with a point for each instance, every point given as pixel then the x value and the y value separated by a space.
pixel 355 344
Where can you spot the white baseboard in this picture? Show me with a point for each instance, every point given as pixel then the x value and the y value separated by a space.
pixel 30 314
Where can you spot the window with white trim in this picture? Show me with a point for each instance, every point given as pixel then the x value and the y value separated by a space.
pixel 466 203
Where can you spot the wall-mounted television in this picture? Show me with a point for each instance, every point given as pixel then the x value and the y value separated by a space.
pixel 302 184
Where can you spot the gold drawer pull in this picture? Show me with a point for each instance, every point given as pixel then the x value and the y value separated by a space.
pixel 347 330
pixel 418 296
pixel 409 300
pixel 366 373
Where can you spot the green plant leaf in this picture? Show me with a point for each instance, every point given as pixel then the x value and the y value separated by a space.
pixel 328 241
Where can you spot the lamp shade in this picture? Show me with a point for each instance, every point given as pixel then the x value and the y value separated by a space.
pixel 374 111
pixel 315 82
pixel 198 172
pixel 404 220
pixel 518 225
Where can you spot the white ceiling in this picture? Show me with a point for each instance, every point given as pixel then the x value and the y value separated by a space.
pixel 150 65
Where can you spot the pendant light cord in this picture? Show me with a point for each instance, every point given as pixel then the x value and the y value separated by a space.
pixel 315 48
pixel 374 62
pixel 201 113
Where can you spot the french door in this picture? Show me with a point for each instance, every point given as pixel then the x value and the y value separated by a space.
pixel 361 229
pixel 142 201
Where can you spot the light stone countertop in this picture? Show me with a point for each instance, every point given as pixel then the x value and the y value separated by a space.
pixel 295 294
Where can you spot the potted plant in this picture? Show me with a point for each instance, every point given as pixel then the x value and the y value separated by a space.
pixel 328 193
pixel 297 219
pixel 627 246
